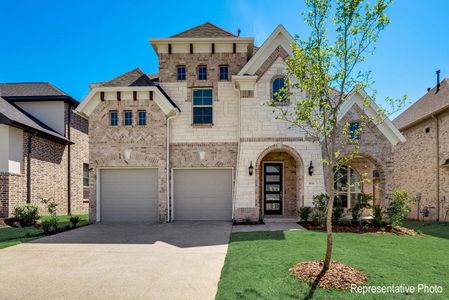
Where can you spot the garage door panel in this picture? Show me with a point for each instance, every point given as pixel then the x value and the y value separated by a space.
pixel 129 195
pixel 203 194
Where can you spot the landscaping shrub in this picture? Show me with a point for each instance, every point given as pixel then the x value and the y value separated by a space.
pixel 378 213
pixel 361 203
pixel 399 206
pixel 74 220
pixel 337 214
pixel 26 214
pixel 304 213
pixel 50 225
pixel 319 212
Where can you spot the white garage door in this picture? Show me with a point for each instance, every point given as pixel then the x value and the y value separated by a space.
pixel 129 195
pixel 203 194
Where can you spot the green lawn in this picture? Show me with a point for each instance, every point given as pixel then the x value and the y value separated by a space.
pixel 10 236
pixel 257 263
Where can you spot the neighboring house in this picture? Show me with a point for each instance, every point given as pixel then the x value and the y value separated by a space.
pixel 422 162
pixel 198 141
pixel 43 148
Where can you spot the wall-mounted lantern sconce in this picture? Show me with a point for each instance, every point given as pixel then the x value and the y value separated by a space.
pixel 251 169
pixel 311 169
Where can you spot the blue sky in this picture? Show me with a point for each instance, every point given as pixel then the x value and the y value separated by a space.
pixel 74 43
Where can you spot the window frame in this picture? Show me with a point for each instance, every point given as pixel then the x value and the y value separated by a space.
pixel 272 92
pixel 85 168
pixel 138 117
pixel 352 134
pixel 220 72
pixel 351 192
pixel 211 106
pixel 178 73
pixel 199 74
pixel 111 119
pixel 125 119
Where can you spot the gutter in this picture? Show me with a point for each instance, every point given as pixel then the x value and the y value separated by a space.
pixel 69 175
pixel 169 212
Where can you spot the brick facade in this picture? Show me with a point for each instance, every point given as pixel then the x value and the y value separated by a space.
pixel 417 165
pixel 147 144
pixel 47 162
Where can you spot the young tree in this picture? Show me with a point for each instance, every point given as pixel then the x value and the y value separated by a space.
pixel 325 68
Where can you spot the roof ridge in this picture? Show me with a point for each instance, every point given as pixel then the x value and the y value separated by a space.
pixel 182 33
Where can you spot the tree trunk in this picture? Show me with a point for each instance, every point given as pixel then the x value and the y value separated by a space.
pixel 329 210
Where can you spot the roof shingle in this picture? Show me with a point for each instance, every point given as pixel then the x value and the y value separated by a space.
pixel 132 78
pixel 429 104
pixel 206 30
pixel 25 89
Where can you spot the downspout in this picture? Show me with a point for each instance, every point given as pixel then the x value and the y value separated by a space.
pixel 69 185
pixel 29 145
pixel 438 165
pixel 234 194
pixel 169 212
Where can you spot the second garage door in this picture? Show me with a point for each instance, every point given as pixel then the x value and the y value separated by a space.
pixel 129 195
pixel 203 194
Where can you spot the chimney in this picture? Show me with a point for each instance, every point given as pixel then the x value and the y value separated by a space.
pixel 438 81
pixel 238 32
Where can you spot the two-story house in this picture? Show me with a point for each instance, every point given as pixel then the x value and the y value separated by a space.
pixel 197 141
pixel 43 149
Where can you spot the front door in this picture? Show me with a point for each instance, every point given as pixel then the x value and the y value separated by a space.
pixel 272 188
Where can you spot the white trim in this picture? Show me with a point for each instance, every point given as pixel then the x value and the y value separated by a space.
pixel 87 106
pixel 279 37
pixel 283 185
pixel 386 127
pixel 98 187
pixel 168 164
pixel 197 168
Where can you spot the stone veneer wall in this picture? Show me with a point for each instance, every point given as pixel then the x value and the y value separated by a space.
pixel 416 165
pixel 107 144
pixel 168 68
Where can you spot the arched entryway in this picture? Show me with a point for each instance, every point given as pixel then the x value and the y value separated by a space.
pixel 279 182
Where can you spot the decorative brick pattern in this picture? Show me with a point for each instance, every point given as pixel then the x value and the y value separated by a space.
pixel 278 52
pixel 183 155
pixel 147 144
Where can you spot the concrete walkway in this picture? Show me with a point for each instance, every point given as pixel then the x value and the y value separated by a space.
pixel 181 260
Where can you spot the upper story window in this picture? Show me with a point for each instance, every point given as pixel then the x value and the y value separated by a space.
pixel 85 175
pixel 224 73
pixel 278 89
pixel 202 72
pixel 181 72
pixel 113 118
pixel 202 106
pixel 142 114
pixel 354 130
pixel 127 118
pixel 348 186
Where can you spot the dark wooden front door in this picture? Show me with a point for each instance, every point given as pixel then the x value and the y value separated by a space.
pixel 272 188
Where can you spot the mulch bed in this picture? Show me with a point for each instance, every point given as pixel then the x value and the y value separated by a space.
pixel 339 275
pixel 357 228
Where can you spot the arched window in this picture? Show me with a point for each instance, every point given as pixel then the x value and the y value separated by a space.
pixel 278 89
pixel 348 186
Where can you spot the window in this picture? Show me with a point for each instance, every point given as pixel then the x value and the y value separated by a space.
pixel 202 72
pixel 278 89
pixel 202 106
pixel 354 130
pixel 85 175
pixel 113 118
pixel 128 118
pixel 181 72
pixel 348 186
pixel 224 73
pixel 142 117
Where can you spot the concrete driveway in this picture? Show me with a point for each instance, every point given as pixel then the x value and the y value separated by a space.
pixel 180 260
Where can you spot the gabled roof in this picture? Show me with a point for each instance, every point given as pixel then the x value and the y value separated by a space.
pixel 206 30
pixel 29 91
pixel 431 103
pixel 132 78
pixel 278 38
pixel 358 97
pixel 13 115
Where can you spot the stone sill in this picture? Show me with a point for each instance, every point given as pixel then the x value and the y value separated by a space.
pixel 202 125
